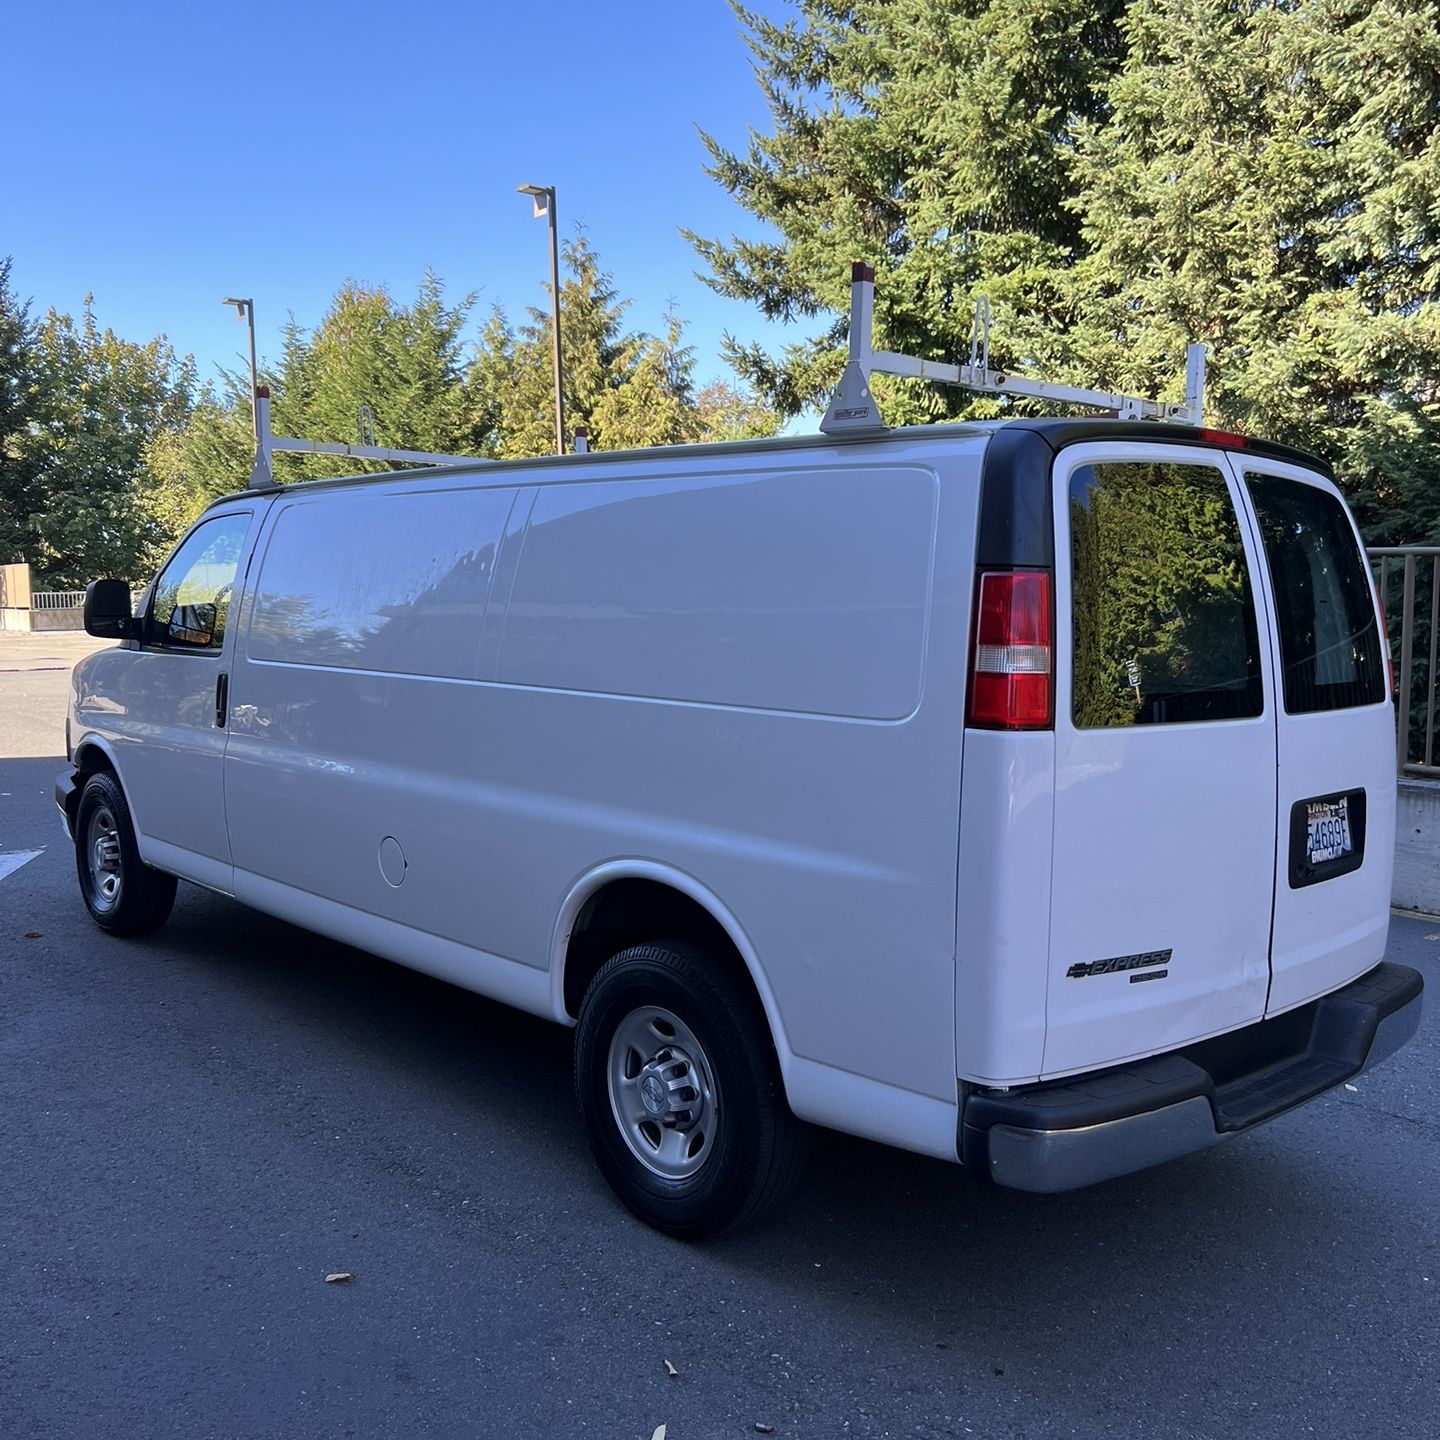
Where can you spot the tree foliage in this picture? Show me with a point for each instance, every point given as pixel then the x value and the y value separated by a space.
pixel 629 389
pixel 1262 175
pixel 407 364
pixel 19 394
pixel 78 505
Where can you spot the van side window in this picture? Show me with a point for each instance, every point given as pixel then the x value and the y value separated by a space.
pixel 192 594
pixel 1330 642
pixel 1164 617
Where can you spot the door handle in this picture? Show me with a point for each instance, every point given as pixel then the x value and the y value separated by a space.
pixel 222 698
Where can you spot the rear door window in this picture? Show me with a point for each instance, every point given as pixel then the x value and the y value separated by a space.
pixel 1164 614
pixel 1330 642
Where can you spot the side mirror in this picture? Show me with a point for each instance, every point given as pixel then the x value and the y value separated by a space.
pixel 107 610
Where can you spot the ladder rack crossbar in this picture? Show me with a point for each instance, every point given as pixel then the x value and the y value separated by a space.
pixel 853 406
pixel 262 476
pixel 367 452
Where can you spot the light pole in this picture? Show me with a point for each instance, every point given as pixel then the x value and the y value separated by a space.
pixel 246 309
pixel 544 198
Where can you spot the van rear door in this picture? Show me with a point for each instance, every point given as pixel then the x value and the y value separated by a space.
pixel 1336 738
pixel 1165 755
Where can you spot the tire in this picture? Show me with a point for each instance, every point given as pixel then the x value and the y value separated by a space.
pixel 715 1145
pixel 123 895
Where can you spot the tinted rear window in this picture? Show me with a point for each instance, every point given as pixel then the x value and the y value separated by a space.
pixel 1164 617
pixel 1329 639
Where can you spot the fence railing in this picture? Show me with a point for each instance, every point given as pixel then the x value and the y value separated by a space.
pixel 1413 619
pixel 57 599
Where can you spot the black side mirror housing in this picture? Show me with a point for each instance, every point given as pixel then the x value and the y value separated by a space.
pixel 107 610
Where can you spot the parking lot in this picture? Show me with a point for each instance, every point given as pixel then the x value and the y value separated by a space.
pixel 197 1128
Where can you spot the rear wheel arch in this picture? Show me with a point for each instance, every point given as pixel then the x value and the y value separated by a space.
pixel 631 902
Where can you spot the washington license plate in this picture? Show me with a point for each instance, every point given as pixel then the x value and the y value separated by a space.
pixel 1327 837
pixel 1327 830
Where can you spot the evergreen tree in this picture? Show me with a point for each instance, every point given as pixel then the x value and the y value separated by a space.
pixel 653 403
pixel 727 413
pixel 402 361
pixel 598 357
pixel 930 137
pixel 629 389
pixel 1120 179
pixel 1268 181
pixel 19 394
pixel 100 401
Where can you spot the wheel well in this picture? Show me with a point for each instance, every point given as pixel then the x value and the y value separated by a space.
pixel 630 912
pixel 92 758
pixel 89 760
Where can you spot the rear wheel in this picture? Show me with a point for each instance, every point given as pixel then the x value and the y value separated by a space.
pixel 681 1093
pixel 123 894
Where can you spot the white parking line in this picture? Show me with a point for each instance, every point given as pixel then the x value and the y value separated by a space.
pixel 10 863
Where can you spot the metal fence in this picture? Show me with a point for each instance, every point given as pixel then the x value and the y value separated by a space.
pixel 1412 619
pixel 57 599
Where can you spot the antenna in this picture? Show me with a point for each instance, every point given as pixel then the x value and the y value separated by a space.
pixel 853 409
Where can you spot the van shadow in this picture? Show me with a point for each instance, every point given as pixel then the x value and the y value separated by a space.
pixel 1206 1259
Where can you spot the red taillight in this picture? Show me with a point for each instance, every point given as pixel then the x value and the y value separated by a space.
pixel 1010 682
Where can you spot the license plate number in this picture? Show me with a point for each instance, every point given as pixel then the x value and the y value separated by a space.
pixel 1328 830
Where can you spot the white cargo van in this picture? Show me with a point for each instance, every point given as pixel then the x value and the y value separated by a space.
pixel 1017 794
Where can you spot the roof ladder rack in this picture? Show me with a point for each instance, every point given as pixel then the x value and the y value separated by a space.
pixel 262 476
pixel 853 407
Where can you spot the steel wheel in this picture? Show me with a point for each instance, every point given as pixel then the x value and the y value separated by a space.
pixel 103 859
pixel 662 1093
pixel 122 893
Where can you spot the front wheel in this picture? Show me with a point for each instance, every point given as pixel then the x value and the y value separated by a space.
pixel 680 1092
pixel 122 893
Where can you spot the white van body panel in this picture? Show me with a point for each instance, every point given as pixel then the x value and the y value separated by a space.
pixel 153 714
pixel 1164 840
pixel 1325 935
pixel 633 701
pixel 462 703
pixel 1002 918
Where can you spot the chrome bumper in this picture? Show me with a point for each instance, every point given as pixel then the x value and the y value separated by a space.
pixel 1073 1133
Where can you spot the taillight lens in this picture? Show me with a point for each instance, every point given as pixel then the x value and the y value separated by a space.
pixel 1010 681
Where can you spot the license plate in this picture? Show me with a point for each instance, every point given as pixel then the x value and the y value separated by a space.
pixel 1327 837
pixel 1327 830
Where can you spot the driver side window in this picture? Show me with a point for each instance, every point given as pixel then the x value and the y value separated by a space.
pixel 192 594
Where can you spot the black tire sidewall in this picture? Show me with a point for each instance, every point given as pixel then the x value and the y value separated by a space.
pixel 144 900
pixel 739 1059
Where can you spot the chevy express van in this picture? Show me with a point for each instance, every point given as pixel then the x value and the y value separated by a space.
pixel 1019 794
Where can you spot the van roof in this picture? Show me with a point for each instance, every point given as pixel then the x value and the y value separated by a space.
pixel 1055 434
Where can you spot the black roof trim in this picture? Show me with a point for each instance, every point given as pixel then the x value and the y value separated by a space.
pixel 1060 432
pixel 1016 516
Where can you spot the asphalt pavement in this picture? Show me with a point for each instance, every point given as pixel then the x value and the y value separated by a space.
pixel 196 1128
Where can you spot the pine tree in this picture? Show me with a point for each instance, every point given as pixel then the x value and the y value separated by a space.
pixel 929 137
pixel 19 393
pixel 1268 181
pixel 514 370
pixel 629 389
pixel 100 402
pixel 1120 179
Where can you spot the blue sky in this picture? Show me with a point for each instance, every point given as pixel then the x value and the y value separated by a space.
pixel 166 155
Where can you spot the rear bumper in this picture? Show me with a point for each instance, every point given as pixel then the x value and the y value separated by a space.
pixel 1072 1133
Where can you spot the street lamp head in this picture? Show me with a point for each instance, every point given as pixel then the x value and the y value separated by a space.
pixel 240 305
pixel 541 195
